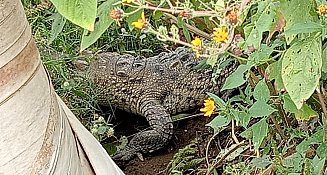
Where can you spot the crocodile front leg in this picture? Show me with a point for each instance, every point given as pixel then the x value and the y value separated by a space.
pixel 151 140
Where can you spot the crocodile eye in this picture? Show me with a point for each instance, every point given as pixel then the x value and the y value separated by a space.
pixel 122 73
pixel 184 58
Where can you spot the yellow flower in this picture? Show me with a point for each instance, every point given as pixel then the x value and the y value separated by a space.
pixel 140 23
pixel 209 107
pixel 127 1
pixel 197 46
pixel 196 42
pixel 220 34
pixel 322 9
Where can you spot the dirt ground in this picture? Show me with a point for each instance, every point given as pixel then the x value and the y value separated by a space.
pixel 156 163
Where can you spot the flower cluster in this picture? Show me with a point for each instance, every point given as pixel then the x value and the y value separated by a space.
pixel 220 34
pixel 322 9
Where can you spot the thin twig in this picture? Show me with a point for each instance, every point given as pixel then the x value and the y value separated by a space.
pixel 207 149
pixel 233 133
pixel 224 156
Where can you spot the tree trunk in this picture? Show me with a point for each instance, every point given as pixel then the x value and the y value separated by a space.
pixel 39 134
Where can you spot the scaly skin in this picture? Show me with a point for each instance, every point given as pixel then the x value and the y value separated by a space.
pixel 156 88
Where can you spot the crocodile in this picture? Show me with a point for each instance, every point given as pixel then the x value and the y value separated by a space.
pixel 156 88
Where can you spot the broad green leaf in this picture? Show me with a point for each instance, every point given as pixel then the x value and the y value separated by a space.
pixel 294 162
pixel 247 133
pixel 288 104
pixel 303 146
pixel 236 79
pixel 318 165
pixel 259 131
pixel 322 150
pixel 110 148
pixel 241 117
pixel 57 25
pixel 274 71
pixel 315 138
pixel 88 38
pixel 218 123
pixel 79 12
pixel 220 102
pixel 297 11
pixel 261 91
pixel 260 108
pixel 304 27
pixel 301 69
pixel 261 162
pixel 261 22
pixel 260 56
pixel 305 113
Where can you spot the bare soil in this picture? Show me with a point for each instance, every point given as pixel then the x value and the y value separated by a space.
pixel 156 163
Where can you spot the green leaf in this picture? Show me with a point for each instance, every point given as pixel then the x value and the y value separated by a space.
pixel 261 162
pixel 297 11
pixel 318 165
pixel 322 150
pixel 261 91
pixel 79 12
pixel 56 26
pixel 260 108
pixel 218 123
pixel 110 148
pixel 260 56
pixel 304 27
pixel 241 117
pixel 305 113
pixel 181 24
pixel 262 21
pixel 301 69
pixel 288 104
pixel 220 102
pixel 274 72
pixel 236 79
pixel 212 60
pixel 247 133
pixel 102 129
pixel 324 58
pixel 294 162
pixel 88 38
pixel 157 15
pixel 259 131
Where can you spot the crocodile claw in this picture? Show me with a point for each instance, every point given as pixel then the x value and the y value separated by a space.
pixel 125 155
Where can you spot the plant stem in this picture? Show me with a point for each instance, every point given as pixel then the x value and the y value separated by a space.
pixel 191 28
pixel 278 128
pixel 323 106
pixel 178 11
pixel 233 133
